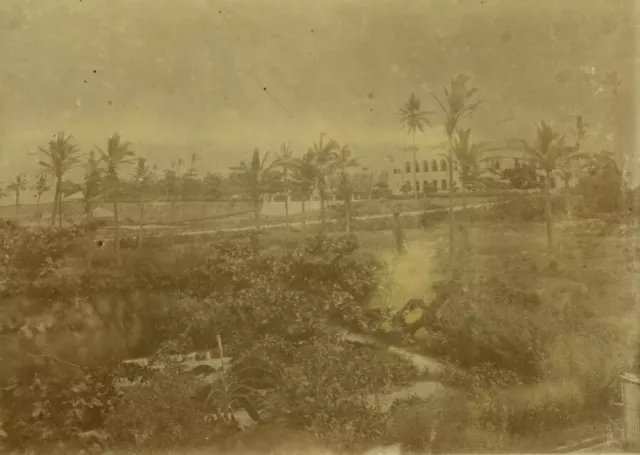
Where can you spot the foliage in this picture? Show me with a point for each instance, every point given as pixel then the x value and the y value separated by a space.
pixel 601 186
pixel 61 156
pixel 275 305
pixel 522 207
pixel 524 177
pixel 51 401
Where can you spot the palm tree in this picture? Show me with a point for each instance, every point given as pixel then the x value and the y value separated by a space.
pixel 456 105
pixel 142 178
pixel 304 179
pixel 566 169
pixel 547 152
pixel 92 185
pixel 257 179
pixel 181 177
pixel 468 155
pixel 283 160
pixel 344 161
pixel 117 155
pixel 16 187
pixel 413 118
pixel 324 161
pixel 61 156
pixel 40 186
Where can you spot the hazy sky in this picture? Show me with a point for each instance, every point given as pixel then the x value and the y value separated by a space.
pixel 222 77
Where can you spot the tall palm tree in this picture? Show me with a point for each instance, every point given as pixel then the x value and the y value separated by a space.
pixel 283 160
pixel 547 152
pixel 456 105
pixel 142 178
pixel 257 179
pixel 16 187
pixel 92 186
pixel 176 166
pixel 117 155
pixel 40 186
pixel 189 179
pixel 468 155
pixel 61 155
pixel 324 160
pixel 344 161
pixel 566 168
pixel 304 180
pixel 413 119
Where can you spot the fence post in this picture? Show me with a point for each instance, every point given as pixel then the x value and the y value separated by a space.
pixel 631 409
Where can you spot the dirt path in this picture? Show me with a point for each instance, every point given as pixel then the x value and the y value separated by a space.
pixel 180 230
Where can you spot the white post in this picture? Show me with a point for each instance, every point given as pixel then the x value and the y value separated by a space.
pixel 631 406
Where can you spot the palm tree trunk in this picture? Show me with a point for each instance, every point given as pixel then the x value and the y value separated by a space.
pixel 256 211
pixel 286 199
pixel 548 214
pixel 141 230
pixel 60 209
pixel 567 202
pixel 38 214
pixel 304 216
pixel 17 203
pixel 55 202
pixel 347 212
pixel 322 205
pixel 398 234
pixel 413 166
pixel 115 220
pixel 322 214
pixel 464 197
pixel 451 219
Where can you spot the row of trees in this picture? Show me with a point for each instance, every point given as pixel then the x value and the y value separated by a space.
pixel 550 153
pixel 326 169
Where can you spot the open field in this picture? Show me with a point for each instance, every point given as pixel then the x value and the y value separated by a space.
pixel 221 214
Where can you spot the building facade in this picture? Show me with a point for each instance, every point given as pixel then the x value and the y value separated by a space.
pixel 432 173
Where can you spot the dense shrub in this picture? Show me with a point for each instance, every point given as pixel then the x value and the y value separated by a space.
pixel 51 401
pixel 278 305
pixel 433 424
pixel 524 207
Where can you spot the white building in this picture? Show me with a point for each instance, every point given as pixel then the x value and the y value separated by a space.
pixel 431 169
pixel 432 173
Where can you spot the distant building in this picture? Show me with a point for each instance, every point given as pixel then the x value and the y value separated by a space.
pixel 432 173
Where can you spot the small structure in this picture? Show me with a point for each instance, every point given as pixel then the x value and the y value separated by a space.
pixel 102 214
pixel 631 409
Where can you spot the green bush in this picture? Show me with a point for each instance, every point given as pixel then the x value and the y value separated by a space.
pixel 163 413
pixel 282 300
pixel 49 401
pixel 524 207
pixel 433 424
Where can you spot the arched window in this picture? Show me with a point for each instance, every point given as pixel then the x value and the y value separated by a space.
pixel 434 184
pixel 407 167
pixel 434 166
pixel 516 163
pixel 425 166
pixel 416 166
pixel 443 165
pixel 444 184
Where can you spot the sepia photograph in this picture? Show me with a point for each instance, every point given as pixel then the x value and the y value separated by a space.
pixel 332 227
